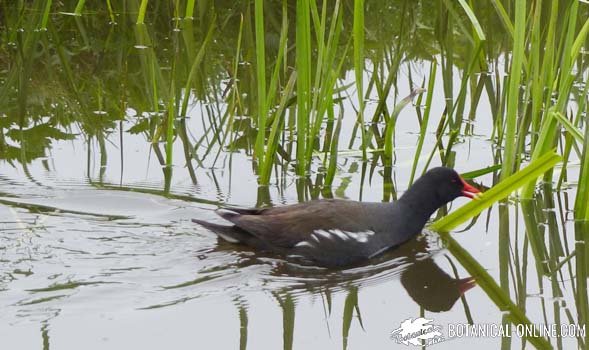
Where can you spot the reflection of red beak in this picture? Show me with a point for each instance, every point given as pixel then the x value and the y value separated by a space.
pixel 465 284
pixel 469 190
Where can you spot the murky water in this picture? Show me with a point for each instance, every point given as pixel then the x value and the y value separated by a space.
pixel 97 249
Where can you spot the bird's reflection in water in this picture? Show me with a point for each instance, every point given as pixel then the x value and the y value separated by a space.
pixel 428 285
pixel 413 263
pixel 431 287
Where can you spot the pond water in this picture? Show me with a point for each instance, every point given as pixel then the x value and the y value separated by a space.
pixel 97 249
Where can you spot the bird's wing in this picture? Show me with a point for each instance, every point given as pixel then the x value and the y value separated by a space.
pixel 290 225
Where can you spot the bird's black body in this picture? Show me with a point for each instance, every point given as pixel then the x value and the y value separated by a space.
pixel 337 232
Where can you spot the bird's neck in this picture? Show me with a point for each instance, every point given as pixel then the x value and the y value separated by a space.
pixel 420 202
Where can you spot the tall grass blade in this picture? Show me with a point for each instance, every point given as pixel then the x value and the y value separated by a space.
pixel 268 160
pixel 576 133
pixel 260 77
pixel 582 199
pixel 189 13
pixel 511 115
pixel 142 10
pixel 503 15
pixel 358 35
pixel 45 17
pixel 79 7
pixel 425 120
pixel 480 172
pixel 194 68
pixel 303 61
pixel 388 146
pixel 473 19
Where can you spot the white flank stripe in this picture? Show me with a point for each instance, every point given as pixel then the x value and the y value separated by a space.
pixel 361 237
pixel 304 244
pixel 296 256
pixel 340 234
pixel 323 234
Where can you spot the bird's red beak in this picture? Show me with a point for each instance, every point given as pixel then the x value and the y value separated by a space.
pixel 469 190
pixel 466 284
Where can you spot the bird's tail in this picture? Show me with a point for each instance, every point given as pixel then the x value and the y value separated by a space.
pixel 230 233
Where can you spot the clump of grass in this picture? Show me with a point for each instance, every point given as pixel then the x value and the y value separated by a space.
pixel 312 87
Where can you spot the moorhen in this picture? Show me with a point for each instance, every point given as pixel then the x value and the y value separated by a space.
pixel 336 232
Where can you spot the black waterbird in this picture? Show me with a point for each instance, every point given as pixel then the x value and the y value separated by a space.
pixel 337 232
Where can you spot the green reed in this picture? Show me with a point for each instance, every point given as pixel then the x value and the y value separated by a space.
pixel 142 11
pixel 582 199
pixel 425 119
pixel 261 77
pixel 79 7
pixel 514 89
pixel 303 67
pixel 358 35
